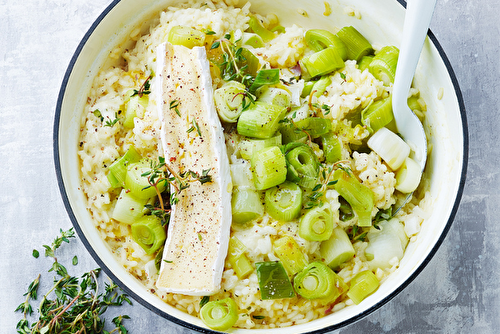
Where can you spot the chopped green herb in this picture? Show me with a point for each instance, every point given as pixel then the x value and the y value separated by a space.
pixel 75 260
pixel 110 122
pixel 36 253
pixel 204 300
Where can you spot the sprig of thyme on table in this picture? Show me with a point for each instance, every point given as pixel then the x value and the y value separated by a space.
pixel 72 304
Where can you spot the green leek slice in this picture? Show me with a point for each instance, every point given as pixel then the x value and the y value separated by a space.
pixel 314 126
pixel 317 223
pixel 219 315
pixel 249 146
pixel 338 249
pixel 257 27
pixel 318 281
pixel 229 100
pixel 408 176
pixel 377 114
pixel 132 107
pixel 322 62
pixel 276 96
pixel 362 285
pixel 149 233
pixel 138 184
pixel 302 164
pixel 251 39
pixel 383 65
pixel 290 255
pixel 359 196
pixel 186 36
pixel 357 45
pixel 237 258
pixel 284 201
pixel 273 281
pixel 268 168
pixel 246 205
pixel 128 209
pixel 265 77
pixel 364 63
pixel 260 120
pixel 118 169
pixel 319 39
pixel 332 147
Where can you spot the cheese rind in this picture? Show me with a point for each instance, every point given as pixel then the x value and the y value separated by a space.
pixel 199 227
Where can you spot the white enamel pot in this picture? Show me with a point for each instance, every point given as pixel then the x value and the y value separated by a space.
pixel 380 21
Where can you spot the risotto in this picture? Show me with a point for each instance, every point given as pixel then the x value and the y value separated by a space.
pixel 327 213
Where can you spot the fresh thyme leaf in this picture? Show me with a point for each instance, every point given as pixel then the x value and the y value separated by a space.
pixel 145 89
pixel 215 45
pixel 342 75
pixel 174 104
pixel 195 124
pixel 36 253
pixel 168 261
pixel 204 300
pixel 258 317
pixel 75 260
pixel 317 187
pixel 110 122
pixel 209 32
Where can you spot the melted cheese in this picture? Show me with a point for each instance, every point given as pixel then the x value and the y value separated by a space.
pixel 199 228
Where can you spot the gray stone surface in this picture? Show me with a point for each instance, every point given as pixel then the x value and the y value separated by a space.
pixel 458 291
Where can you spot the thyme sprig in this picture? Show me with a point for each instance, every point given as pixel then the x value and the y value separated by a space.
pixel 72 304
pixel 145 88
pixel 162 172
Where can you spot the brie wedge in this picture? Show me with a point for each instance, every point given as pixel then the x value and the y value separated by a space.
pixel 193 140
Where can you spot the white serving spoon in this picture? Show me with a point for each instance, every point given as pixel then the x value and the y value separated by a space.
pixel 417 19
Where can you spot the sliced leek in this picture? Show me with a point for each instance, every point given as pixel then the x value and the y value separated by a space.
pixel 260 120
pixel 386 244
pixel 149 233
pixel 383 65
pixel 284 201
pixel 317 223
pixel 186 36
pixel 138 184
pixel 276 96
pixel 337 249
pixel 322 62
pixel 251 39
pixel 219 314
pixel 246 205
pixel 302 164
pixel 288 251
pixel 362 285
pixel 257 27
pixel 237 258
pixel 359 196
pixel 364 62
pixel 229 100
pixel 249 146
pixel 378 114
pixel 273 281
pixel 357 45
pixel 268 168
pixel 318 281
pixel 390 147
pixel 319 39
pixel 128 209
pixel 118 169
pixel 408 176
pixel 332 147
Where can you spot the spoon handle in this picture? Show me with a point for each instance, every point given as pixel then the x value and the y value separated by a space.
pixel 417 19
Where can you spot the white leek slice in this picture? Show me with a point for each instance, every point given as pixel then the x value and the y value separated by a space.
pixel 386 244
pixel 390 147
pixel 408 176
pixel 242 175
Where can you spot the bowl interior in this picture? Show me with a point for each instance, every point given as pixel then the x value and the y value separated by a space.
pixel 381 22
